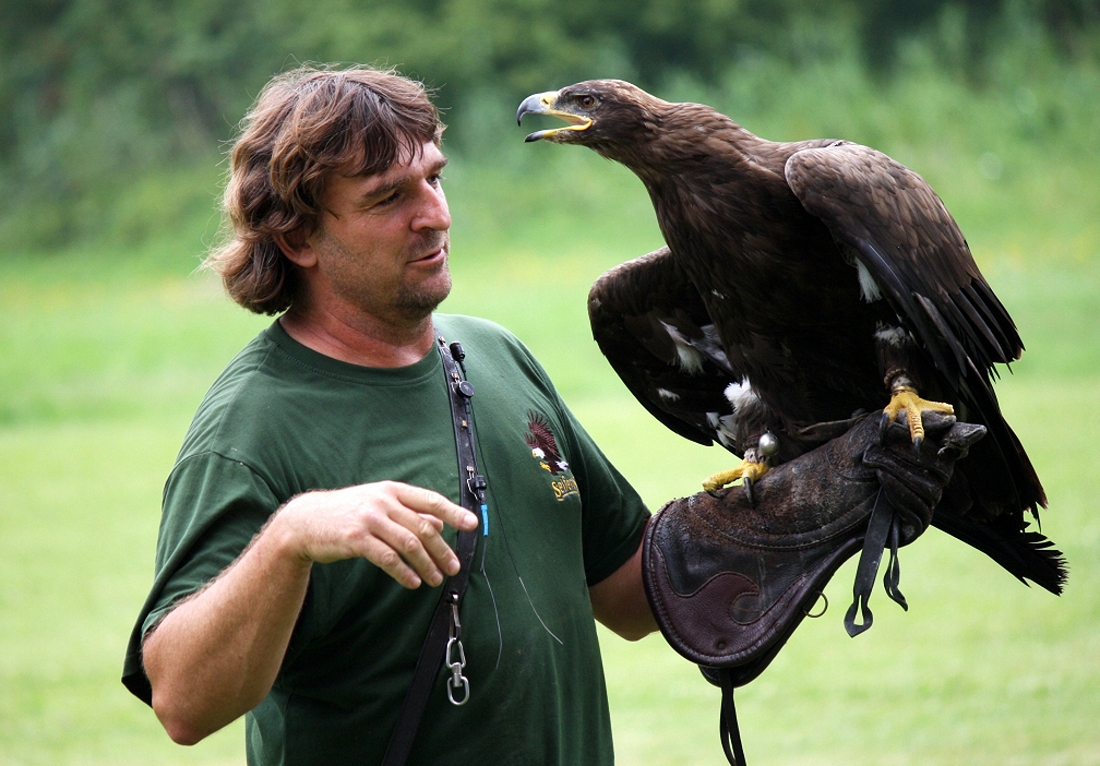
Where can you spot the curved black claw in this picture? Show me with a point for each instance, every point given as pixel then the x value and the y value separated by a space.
pixel 748 490
pixel 883 426
pixel 717 494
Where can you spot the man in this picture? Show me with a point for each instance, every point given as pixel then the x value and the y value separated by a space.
pixel 310 514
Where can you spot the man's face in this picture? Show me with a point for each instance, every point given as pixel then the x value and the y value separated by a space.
pixel 383 242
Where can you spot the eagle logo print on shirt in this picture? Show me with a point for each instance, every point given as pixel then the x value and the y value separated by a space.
pixel 544 448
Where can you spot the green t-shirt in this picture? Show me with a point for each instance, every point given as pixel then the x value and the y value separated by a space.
pixel 282 420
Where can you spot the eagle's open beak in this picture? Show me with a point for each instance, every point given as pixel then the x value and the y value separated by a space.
pixel 543 103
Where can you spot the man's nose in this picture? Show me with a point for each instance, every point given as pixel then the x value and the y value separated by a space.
pixel 433 213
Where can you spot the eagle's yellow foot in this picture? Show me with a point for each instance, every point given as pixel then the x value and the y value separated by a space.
pixel 748 472
pixel 905 399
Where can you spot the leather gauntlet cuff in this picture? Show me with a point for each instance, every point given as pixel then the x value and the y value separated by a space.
pixel 729 580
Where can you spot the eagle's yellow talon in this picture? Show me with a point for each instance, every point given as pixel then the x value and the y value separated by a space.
pixel 905 399
pixel 747 470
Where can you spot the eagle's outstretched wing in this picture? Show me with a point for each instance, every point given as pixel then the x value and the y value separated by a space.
pixel 650 323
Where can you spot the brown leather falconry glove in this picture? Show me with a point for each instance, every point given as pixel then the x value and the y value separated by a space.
pixel 729 578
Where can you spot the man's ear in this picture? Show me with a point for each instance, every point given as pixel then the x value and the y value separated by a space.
pixel 297 246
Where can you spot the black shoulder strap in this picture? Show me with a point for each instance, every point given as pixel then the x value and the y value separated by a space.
pixel 442 629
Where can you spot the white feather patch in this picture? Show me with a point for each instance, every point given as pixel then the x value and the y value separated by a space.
pixel 668 396
pixel 691 360
pixel 868 287
pixel 893 336
pixel 740 395
pixel 723 428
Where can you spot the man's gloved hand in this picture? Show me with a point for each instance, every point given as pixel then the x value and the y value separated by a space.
pixel 728 578
pixel 913 480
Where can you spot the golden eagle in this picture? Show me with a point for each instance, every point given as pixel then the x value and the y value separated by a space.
pixel 803 283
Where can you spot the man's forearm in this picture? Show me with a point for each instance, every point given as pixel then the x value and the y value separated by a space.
pixel 216 655
pixel 619 601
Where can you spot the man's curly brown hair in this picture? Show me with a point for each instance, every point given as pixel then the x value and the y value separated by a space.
pixel 305 125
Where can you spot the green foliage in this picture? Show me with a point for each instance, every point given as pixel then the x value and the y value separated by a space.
pixel 97 93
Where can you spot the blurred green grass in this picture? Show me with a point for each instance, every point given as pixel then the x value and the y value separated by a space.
pixel 102 372
pixel 106 351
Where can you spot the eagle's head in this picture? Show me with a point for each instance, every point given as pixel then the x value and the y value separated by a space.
pixel 602 114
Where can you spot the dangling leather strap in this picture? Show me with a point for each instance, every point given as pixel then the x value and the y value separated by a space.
pixel 728 728
pixel 443 641
pixel 883 529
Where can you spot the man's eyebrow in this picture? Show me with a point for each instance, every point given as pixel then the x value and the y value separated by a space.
pixel 385 187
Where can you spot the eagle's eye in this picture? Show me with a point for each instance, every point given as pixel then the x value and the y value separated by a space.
pixel 587 101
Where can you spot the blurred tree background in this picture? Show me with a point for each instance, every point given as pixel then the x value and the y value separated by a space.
pixel 100 99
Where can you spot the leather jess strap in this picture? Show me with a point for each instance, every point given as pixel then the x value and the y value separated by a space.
pixel 443 641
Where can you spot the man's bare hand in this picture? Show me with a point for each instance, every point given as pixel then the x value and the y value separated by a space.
pixel 216 655
pixel 396 526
